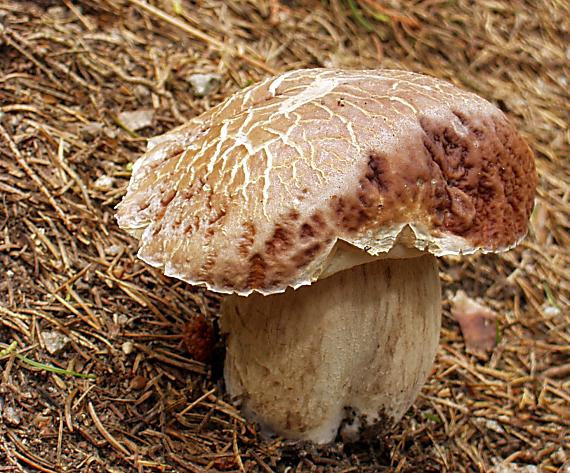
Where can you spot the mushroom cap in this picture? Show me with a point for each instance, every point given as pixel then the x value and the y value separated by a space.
pixel 259 193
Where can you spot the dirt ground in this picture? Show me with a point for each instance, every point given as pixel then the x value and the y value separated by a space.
pixel 100 366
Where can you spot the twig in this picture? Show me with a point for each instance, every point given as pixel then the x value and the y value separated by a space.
pixel 105 433
pixel 32 175
pixel 61 161
pixel 196 402
pixel 196 33
pixel 237 455
pixel 11 37
pixel 59 439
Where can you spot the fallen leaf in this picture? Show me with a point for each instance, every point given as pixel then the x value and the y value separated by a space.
pixel 477 322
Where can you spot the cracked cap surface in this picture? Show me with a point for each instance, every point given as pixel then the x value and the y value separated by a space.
pixel 256 193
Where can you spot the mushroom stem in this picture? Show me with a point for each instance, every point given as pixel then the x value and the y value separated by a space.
pixel 359 344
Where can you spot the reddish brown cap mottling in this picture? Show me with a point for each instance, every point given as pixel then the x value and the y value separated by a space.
pixel 256 193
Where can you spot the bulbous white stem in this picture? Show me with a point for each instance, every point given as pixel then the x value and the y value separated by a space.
pixel 362 340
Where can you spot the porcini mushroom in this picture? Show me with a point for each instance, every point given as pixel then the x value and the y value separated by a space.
pixel 319 200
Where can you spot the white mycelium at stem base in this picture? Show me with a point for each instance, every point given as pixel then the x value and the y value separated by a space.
pixel 363 339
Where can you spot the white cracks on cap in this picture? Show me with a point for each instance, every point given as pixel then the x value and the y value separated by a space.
pixel 404 102
pixel 412 84
pixel 279 80
pixel 350 129
pixel 267 178
pixel 246 178
pixel 316 89
pixel 216 153
pixel 241 138
pixel 181 159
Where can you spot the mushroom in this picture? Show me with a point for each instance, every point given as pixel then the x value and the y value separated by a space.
pixel 318 200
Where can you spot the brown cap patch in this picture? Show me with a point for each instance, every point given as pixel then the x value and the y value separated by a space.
pixel 254 194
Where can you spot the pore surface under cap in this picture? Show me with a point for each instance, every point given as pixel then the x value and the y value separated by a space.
pixel 255 193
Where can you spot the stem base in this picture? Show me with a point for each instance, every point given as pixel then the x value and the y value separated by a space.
pixel 358 344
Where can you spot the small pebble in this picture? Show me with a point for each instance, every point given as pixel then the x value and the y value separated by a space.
pixel 136 119
pixel 104 182
pixel 128 348
pixel 113 250
pixel 494 426
pixel 551 311
pixel 11 416
pixel 204 84
pixel 54 341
